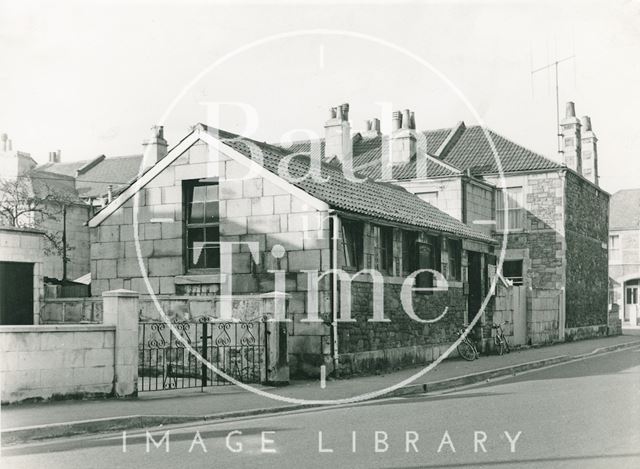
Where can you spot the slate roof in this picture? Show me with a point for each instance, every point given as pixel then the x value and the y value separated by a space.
pixel 61 187
pixel 471 151
pixel 117 171
pixel 379 200
pixel 624 210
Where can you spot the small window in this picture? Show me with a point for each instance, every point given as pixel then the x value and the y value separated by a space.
pixel 202 224
pixel 383 236
pixel 614 248
pixel 409 261
pixel 428 257
pixel 514 209
pixel 512 270
pixel 455 259
pixel 352 243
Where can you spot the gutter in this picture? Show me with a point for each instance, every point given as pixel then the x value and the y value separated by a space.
pixel 333 256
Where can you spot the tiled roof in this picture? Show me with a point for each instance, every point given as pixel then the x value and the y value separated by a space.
pixel 624 210
pixel 94 182
pixel 383 201
pixel 472 151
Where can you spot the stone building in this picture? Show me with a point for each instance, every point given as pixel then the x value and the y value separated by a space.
pixel 165 235
pixel 624 255
pixel 555 215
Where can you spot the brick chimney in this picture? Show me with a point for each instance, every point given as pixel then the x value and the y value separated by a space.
pixel 155 148
pixel 403 136
pixel 589 143
pixel 337 134
pixel 571 139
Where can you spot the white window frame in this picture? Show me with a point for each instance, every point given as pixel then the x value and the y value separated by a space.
pixel 515 208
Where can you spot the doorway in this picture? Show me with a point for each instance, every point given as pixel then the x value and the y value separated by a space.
pixel 16 293
pixel 631 313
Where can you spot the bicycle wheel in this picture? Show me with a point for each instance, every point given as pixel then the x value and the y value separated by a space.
pixel 466 351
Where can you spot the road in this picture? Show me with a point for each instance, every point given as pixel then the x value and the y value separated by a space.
pixel 581 414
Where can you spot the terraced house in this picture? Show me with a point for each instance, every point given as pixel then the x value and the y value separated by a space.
pixel 283 230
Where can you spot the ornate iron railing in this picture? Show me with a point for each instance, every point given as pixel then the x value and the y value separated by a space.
pixel 235 348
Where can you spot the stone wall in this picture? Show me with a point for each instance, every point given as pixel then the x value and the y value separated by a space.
pixel 48 362
pixel 252 209
pixel 540 245
pixel 370 347
pixel 448 190
pixel 587 225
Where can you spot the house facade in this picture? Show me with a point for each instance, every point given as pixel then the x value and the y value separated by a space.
pixel 624 255
pixel 222 215
pixel 551 217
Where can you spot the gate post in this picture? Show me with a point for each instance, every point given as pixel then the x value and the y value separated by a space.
pixel 276 338
pixel 120 309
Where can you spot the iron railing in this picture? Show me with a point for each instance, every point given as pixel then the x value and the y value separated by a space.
pixel 236 348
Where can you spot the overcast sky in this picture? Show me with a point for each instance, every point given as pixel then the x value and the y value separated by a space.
pixel 90 78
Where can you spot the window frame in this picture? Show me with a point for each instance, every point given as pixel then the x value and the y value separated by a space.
pixel 516 280
pixel 188 187
pixel 516 212
pixel 353 238
pixel 454 246
pixel 426 279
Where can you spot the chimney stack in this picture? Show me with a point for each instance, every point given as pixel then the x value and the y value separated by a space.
pixel 403 137
pixel 155 148
pixel 589 143
pixel 54 156
pixel 373 128
pixel 571 139
pixel 337 134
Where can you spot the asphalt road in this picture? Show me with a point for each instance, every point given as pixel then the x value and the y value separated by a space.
pixel 581 414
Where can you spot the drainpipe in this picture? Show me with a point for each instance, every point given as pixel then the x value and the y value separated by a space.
pixel 64 242
pixel 333 254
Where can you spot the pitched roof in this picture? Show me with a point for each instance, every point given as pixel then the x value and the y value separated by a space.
pixel 624 210
pixel 383 201
pixel 470 150
pixel 117 171
pixel 48 184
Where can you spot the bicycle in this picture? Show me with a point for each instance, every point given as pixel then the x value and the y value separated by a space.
pixel 499 339
pixel 466 348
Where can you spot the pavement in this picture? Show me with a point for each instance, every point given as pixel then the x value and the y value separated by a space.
pixel 578 414
pixel 27 422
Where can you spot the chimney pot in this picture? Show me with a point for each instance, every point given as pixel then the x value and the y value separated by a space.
pixel 570 109
pixel 406 119
pixel 396 120
pixel 368 124
pixel 375 124
pixel 413 121
pixel 344 111
pixel 586 123
pixel 332 113
pixel 9 145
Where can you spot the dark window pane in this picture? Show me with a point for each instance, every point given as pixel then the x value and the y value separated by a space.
pixel 211 212
pixel 212 257
pixel 212 236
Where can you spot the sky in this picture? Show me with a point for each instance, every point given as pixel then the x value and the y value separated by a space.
pixel 92 77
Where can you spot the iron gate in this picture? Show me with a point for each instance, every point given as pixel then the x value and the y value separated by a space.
pixel 236 348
